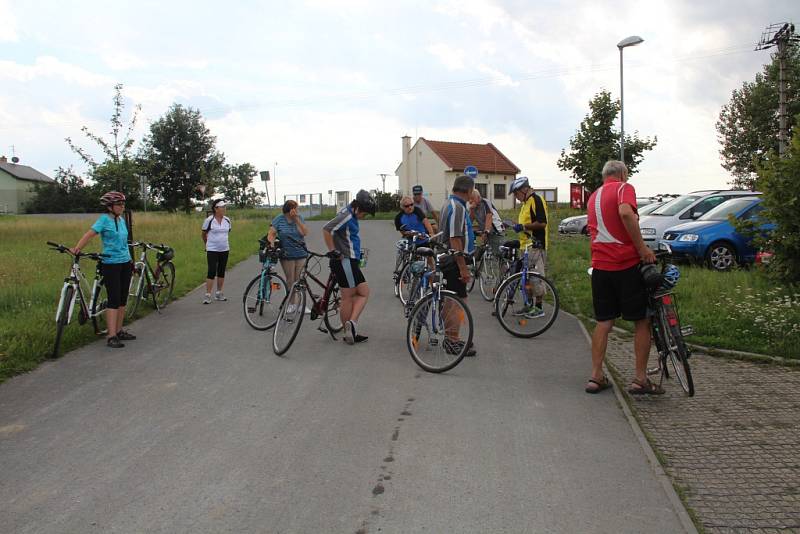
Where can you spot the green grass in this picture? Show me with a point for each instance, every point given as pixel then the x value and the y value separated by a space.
pixel 31 274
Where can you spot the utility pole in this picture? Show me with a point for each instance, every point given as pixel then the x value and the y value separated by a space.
pixel 383 177
pixel 781 36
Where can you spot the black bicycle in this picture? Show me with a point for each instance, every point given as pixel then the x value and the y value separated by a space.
pixel 666 327
pixel 151 284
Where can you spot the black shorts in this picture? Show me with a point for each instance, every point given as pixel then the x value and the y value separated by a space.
pixel 454 283
pixel 619 293
pixel 347 272
pixel 117 279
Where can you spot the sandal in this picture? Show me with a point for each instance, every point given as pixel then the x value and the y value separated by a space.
pixel 645 388
pixel 603 383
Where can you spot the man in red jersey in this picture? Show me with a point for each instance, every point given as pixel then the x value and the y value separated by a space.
pixel 618 288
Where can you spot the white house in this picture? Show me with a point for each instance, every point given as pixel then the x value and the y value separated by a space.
pixel 435 165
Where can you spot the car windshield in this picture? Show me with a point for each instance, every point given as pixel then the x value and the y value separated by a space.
pixel 675 206
pixel 730 207
pixel 647 210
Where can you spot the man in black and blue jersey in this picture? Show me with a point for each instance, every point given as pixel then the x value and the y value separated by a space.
pixel 411 219
pixel 344 246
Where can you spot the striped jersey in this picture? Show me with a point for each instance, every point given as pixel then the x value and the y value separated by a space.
pixel 344 228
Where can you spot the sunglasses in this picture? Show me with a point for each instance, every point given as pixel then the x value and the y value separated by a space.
pixel 407 205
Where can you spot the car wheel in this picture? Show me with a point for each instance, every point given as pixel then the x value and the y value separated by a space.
pixel 721 257
pixel 585 230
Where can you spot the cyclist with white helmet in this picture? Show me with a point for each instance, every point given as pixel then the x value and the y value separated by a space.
pixel 344 245
pixel 532 227
pixel 117 265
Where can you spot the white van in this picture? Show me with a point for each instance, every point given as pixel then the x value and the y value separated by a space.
pixel 683 209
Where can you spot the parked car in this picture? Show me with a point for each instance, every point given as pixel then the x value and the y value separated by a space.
pixel 574 225
pixel 685 208
pixel 713 239
pixel 578 224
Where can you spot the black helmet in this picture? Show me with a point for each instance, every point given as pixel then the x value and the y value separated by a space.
pixel 365 202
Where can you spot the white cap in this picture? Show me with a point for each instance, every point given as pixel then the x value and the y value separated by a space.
pixel 220 204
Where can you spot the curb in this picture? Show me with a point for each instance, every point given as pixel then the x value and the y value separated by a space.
pixel 717 353
pixel 661 475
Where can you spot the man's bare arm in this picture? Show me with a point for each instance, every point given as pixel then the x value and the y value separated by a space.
pixel 631 222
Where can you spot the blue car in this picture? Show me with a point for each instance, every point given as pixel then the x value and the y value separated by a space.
pixel 712 239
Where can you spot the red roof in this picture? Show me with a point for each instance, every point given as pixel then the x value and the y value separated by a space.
pixel 487 158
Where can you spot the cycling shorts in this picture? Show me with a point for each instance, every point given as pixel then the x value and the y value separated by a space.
pixel 347 272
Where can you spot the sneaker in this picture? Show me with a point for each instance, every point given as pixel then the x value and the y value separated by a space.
pixel 453 347
pixel 349 332
pixel 207 299
pixel 308 310
pixel 124 335
pixel 360 339
pixel 534 312
pixel 114 343
pixel 220 296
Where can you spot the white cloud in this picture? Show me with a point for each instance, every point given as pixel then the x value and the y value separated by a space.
pixel 450 56
pixel 48 66
pixel 8 23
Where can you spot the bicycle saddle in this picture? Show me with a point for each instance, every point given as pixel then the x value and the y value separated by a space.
pixel 424 252
pixel 514 243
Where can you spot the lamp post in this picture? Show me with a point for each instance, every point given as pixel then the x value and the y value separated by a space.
pixel 633 40
pixel 275 183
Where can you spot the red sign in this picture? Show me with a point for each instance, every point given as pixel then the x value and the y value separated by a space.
pixel 577 196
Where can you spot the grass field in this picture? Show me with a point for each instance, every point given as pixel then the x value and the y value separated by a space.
pixel 741 310
pixel 31 274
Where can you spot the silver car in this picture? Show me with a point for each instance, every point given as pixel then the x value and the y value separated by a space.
pixel 579 223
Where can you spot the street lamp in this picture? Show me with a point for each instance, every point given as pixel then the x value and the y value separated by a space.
pixel 275 182
pixel 633 40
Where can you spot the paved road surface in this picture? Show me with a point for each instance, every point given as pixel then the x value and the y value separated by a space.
pixel 198 427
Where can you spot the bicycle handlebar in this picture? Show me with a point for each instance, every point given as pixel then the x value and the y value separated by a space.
pixel 96 256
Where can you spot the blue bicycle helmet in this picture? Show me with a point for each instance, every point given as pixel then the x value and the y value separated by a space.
pixel 670 276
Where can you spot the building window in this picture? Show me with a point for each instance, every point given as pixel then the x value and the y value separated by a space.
pixel 482 189
pixel 499 191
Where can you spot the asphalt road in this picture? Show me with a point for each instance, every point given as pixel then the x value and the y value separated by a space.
pixel 198 427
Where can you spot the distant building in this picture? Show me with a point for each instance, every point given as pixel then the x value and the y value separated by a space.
pixel 16 185
pixel 435 165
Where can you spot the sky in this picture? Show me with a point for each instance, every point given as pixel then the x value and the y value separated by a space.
pixel 320 92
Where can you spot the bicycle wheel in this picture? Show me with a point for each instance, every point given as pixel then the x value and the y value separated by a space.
pixel 136 290
pixel 405 283
pixel 488 277
pixel 678 354
pixel 98 310
pixel 262 300
pixel 290 317
pixel 333 317
pixel 164 284
pixel 439 331
pixel 526 312
pixel 398 267
pixel 62 318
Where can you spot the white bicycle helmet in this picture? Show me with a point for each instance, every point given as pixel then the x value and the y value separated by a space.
pixel 518 183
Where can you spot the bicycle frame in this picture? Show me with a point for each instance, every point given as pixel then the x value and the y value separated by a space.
pixel 147 272
pixel 78 281
pixel 320 305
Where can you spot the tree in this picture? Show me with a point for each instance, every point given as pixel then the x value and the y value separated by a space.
pixel 779 179
pixel 179 155
pixel 236 185
pixel 747 127
pixel 69 193
pixel 387 201
pixel 597 141
pixel 119 171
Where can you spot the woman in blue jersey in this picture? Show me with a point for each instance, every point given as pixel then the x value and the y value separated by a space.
pixel 117 264
pixel 290 229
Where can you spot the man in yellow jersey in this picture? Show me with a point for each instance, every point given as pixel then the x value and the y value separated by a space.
pixel 532 227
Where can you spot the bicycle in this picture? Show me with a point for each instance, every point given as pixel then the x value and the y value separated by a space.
pixel 486 269
pixel 526 303
pixel 265 293
pixel 292 310
pixel 439 329
pixel 148 283
pixel 665 327
pixel 76 287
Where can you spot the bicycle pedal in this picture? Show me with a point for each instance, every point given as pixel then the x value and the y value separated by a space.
pixel 433 342
pixel 687 330
pixel 653 371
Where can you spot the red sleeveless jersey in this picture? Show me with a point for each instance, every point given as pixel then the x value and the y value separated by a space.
pixel 612 248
